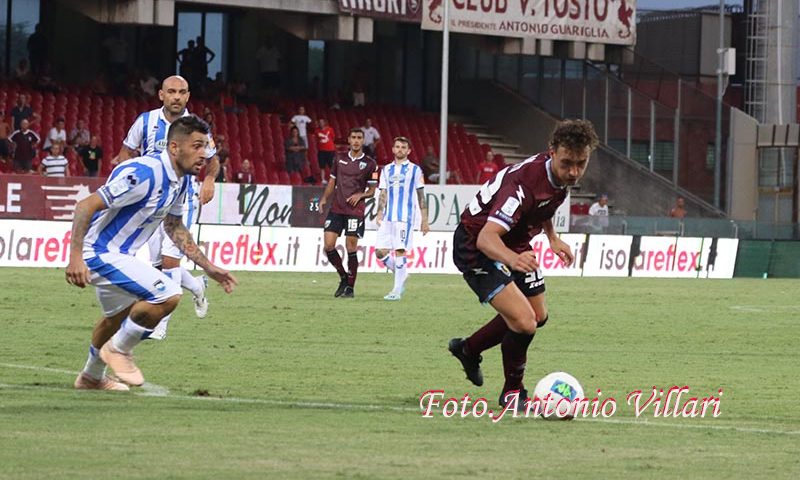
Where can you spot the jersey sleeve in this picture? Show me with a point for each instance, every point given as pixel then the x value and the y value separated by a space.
pixel 382 183
pixel 419 179
pixel 135 135
pixel 130 184
pixel 510 203
pixel 177 207
pixel 334 167
pixel 372 174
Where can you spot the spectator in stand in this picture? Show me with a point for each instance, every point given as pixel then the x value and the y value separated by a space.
pixel 20 112
pixel 22 72
pixel 5 151
pixel 37 50
pixel 92 157
pixel 57 134
pixel 224 175
pixel 45 81
pixel 678 211
pixel 371 139
pixel 599 213
pixel 245 173
pixel 326 148
pixel 185 57
pixel 55 164
pixel 25 141
pixel 359 96
pixel 269 60
pixel 487 169
pixel 301 121
pixel 295 151
pixel 430 165
pixel 202 57
pixel 208 117
pixel 80 136
pixel 227 100
pixel 148 84
pixel 222 147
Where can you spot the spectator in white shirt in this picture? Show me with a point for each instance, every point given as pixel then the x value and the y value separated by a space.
pixel 371 138
pixel 599 209
pixel 301 121
pixel 57 135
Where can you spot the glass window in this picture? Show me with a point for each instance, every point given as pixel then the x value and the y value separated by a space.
pixel 190 26
pixel 215 37
pixel 3 36
pixel 24 17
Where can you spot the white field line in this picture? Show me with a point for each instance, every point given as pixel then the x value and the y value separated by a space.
pixel 153 390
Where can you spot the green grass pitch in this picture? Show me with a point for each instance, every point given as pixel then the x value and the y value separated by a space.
pixel 284 381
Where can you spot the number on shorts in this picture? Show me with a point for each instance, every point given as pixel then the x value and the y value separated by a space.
pixel 352 224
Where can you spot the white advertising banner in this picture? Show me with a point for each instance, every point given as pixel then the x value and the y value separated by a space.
pixel 685 257
pixel 607 256
pixel 591 21
pixel 551 265
pixel 241 204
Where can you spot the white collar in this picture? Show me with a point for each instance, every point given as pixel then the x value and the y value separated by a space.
pixel 548 165
pixel 356 158
pixel 171 174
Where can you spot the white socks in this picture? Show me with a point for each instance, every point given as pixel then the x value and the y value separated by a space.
pixel 388 260
pixel 95 367
pixel 128 336
pixel 400 274
pixel 190 282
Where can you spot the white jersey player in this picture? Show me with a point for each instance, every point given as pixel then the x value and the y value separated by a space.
pixel 148 134
pixel 401 207
pixel 110 226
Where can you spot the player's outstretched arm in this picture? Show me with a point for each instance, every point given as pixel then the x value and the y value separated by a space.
pixel 490 243
pixel 182 238
pixel 77 272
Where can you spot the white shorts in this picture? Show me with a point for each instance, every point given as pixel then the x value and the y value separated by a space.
pixel 395 236
pixel 161 245
pixel 121 280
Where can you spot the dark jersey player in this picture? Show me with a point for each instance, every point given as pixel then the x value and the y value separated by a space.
pixel 491 247
pixel 353 179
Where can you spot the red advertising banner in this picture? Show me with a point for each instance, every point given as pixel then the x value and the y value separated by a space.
pixel 397 10
pixel 43 198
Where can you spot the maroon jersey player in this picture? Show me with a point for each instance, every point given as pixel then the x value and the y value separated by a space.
pixel 353 179
pixel 491 247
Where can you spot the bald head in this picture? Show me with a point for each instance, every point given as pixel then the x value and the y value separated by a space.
pixel 174 95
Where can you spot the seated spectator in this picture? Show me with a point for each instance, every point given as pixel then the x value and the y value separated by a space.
pixel 55 164
pixel 92 157
pixel 222 147
pixel 208 116
pixel 245 173
pixel 487 169
pixel 430 166
pixel 359 96
pixel 295 151
pixel 57 134
pixel 79 137
pixel 25 142
pixel 227 100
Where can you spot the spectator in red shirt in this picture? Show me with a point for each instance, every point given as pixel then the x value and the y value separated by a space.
pixel 325 147
pixel 487 169
pixel 245 173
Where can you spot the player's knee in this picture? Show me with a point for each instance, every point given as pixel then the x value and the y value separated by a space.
pixel 540 323
pixel 526 324
pixel 170 304
pixel 381 253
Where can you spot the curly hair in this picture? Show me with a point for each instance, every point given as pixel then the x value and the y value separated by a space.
pixel 574 135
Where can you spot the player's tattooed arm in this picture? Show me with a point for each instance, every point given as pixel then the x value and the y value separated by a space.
pixel 423 207
pixel 382 202
pixel 77 272
pixel 182 238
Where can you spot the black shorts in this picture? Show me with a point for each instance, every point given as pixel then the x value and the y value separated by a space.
pixel 325 159
pixel 487 277
pixel 352 226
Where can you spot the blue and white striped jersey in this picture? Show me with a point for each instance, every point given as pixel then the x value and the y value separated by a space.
pixel 148 134
pixel 401 183
pixel 191 207
pixel 139 193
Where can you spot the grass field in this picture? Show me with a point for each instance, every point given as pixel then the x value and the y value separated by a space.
pixel 284 381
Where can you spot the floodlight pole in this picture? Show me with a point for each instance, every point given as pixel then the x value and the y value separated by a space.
pixel 720 90
pixel 445 87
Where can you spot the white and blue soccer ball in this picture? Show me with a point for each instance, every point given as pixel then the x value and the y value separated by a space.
pixel 557 394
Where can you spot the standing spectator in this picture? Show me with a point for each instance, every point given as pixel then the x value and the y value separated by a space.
pixel 37 50
pixel 301 121
pixel 57 134
pixel 678 211
pixel 227 100
pixel 487 169
pixel 79 137
pixel 92 157
pixel 359 97
pixel 25 141
pixel 148 84
pixel 55 164
pixel 269 59
pixel 599 213
pixel 202 57
pixel 295 151
pixel 326 148
pixel 20 111
pixel 221 146
pixel 185 57
pixel 5 151
pixel 224 175
pixel 208 117
pixel 371 138
pixel 245 173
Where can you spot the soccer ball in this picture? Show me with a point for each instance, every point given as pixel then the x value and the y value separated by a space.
pixel 556 394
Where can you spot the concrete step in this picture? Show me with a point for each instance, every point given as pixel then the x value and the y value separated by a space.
pixel 454 118
pixel 475 128
pixel 490 138
pixel 515 157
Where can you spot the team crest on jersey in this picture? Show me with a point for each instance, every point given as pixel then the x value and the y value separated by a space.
pixel 362 165
pixel 161 144
pixel 159 286
pixel 510 206
pixel 122 185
